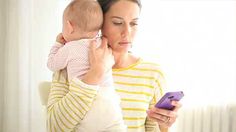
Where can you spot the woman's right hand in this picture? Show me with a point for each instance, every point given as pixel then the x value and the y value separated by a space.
pixel 101 61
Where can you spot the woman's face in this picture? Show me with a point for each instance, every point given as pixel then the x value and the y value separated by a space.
pixel 120 25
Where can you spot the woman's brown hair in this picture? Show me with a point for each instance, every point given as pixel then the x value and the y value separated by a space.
pixel 106 4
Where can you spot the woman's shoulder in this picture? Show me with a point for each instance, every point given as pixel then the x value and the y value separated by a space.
pixel 151 67
pixel 144 62
pixel 149 64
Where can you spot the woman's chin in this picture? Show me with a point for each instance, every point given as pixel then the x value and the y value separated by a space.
pixel 125 46
pixel 123 50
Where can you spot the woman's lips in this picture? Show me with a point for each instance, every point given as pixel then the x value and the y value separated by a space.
pixel 124 43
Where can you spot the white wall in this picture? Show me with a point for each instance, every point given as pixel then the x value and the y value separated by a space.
pixel 195 42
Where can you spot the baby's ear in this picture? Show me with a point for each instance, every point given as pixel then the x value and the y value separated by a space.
pixel 70 27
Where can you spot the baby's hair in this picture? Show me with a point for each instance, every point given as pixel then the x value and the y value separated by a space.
pixel 87 14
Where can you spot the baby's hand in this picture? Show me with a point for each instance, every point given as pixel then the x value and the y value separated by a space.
pixel 60 39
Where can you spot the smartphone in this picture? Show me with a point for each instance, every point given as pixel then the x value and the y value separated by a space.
pixel 165 101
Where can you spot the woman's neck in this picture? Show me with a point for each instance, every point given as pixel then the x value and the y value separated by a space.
pixel 124 60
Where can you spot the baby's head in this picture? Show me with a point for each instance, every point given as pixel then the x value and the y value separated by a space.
pixel 82 19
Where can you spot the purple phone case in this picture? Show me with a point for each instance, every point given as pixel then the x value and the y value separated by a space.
pixel 165 101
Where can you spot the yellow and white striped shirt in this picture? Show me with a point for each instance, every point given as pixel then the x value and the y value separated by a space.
pixel 140 86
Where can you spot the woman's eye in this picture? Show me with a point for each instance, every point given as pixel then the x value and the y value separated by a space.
pixel 117 23
pixel 133 23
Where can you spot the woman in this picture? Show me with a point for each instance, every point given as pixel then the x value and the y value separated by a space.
pixel 139 83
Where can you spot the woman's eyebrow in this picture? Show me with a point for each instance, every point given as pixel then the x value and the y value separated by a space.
pixel 135 19
pixel 117 17
pixel 123 18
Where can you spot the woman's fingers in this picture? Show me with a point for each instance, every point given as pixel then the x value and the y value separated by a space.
pixel 92 50
pixel 163 117
pixel 154 115
pixel 104 44
pixel 164 112
pixel 92 45
pixel 163 123
pixel 101 57
pixel 177 105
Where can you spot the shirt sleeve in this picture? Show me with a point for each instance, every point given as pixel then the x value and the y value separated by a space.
pixel 58 57
pixel 160 85
pixel 68 103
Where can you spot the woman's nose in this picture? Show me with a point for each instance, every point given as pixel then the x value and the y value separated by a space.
pixel 126 31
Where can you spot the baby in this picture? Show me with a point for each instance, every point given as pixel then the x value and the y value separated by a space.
pixel 82 20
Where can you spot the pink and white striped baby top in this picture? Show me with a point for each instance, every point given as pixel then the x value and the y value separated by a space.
pixel 73 56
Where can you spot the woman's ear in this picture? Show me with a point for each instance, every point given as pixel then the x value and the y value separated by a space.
pixel 70 26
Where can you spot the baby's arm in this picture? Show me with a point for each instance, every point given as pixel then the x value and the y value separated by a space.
pixel 58 56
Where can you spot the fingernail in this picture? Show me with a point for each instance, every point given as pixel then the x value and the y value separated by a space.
pixel 173 103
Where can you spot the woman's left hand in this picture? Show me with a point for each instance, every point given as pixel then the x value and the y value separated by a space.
pixel 164 117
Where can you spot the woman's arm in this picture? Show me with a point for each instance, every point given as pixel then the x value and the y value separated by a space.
pixel 69 103
pixel 159 86
pixel 164 118
pixel 160 117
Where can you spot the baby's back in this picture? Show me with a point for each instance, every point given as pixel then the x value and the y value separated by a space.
pixel 78 61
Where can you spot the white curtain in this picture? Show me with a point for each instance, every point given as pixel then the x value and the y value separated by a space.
pixel 2 40
pixel 28 29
